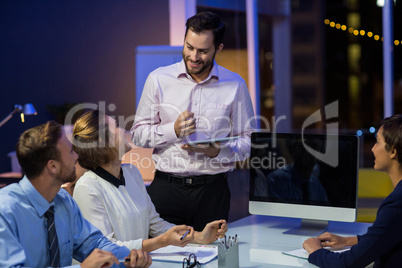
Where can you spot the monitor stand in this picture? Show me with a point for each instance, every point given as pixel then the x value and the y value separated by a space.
pixel 309 228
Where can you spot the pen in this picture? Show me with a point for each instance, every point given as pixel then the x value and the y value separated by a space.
pixel 125 259
pixel 185 234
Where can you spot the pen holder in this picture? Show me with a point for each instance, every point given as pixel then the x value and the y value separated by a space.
pixel 228 258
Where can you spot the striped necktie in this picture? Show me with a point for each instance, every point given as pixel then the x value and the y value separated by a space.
pixel 52 239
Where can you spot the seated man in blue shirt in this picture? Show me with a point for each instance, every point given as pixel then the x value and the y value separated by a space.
pixel 40 224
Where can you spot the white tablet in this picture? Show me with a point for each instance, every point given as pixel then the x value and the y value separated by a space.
pixel 221 140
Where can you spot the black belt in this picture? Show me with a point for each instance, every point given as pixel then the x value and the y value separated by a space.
pixel 190 180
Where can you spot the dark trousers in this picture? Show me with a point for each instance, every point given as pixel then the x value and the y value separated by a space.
pixel 193 205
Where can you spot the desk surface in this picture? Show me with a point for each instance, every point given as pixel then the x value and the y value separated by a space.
pixel 262 241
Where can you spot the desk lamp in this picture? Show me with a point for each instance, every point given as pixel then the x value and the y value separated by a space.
pixel 28 109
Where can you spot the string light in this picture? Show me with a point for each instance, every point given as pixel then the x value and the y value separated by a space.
pixel 356 32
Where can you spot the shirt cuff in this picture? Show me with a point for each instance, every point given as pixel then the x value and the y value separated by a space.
pixel 314 257
pixel 135 244
pixel 167 130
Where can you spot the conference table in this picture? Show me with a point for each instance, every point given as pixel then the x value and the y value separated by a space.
pixel 262 241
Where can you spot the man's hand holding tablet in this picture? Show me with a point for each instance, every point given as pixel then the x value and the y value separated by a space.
pixel 209 147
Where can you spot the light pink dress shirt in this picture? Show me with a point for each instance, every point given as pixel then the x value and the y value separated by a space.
pixel 221 105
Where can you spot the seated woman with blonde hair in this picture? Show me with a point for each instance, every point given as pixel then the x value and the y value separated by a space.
pixel 382 244
pixel 112 195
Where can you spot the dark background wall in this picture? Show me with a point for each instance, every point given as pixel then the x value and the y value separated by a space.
pixel 54 52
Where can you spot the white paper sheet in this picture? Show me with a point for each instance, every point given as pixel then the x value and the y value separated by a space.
pixel 204 253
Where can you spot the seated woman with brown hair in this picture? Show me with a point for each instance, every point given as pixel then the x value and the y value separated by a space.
pixel 382 244
pixel 112 195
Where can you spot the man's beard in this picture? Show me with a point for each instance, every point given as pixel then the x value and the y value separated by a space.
pixel 67 177
pixel 206 65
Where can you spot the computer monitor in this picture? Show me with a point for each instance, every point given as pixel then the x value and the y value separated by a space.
pixel 309 176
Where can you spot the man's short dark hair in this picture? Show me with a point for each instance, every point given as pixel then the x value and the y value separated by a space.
pixel 207 21
pixel 37 146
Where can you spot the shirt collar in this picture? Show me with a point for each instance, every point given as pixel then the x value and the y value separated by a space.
pixel 214 73
pixel 109 177
pixel 40 204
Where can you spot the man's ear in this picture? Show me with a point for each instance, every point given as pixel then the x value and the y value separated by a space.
pixel 52 166
pixel 220 48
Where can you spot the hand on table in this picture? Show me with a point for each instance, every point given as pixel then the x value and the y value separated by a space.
pixel 212 231
pixel 99 258
pixel 328 240
pixel 336 241
pixel 312 244
pixel 138 258
pixel 174 234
